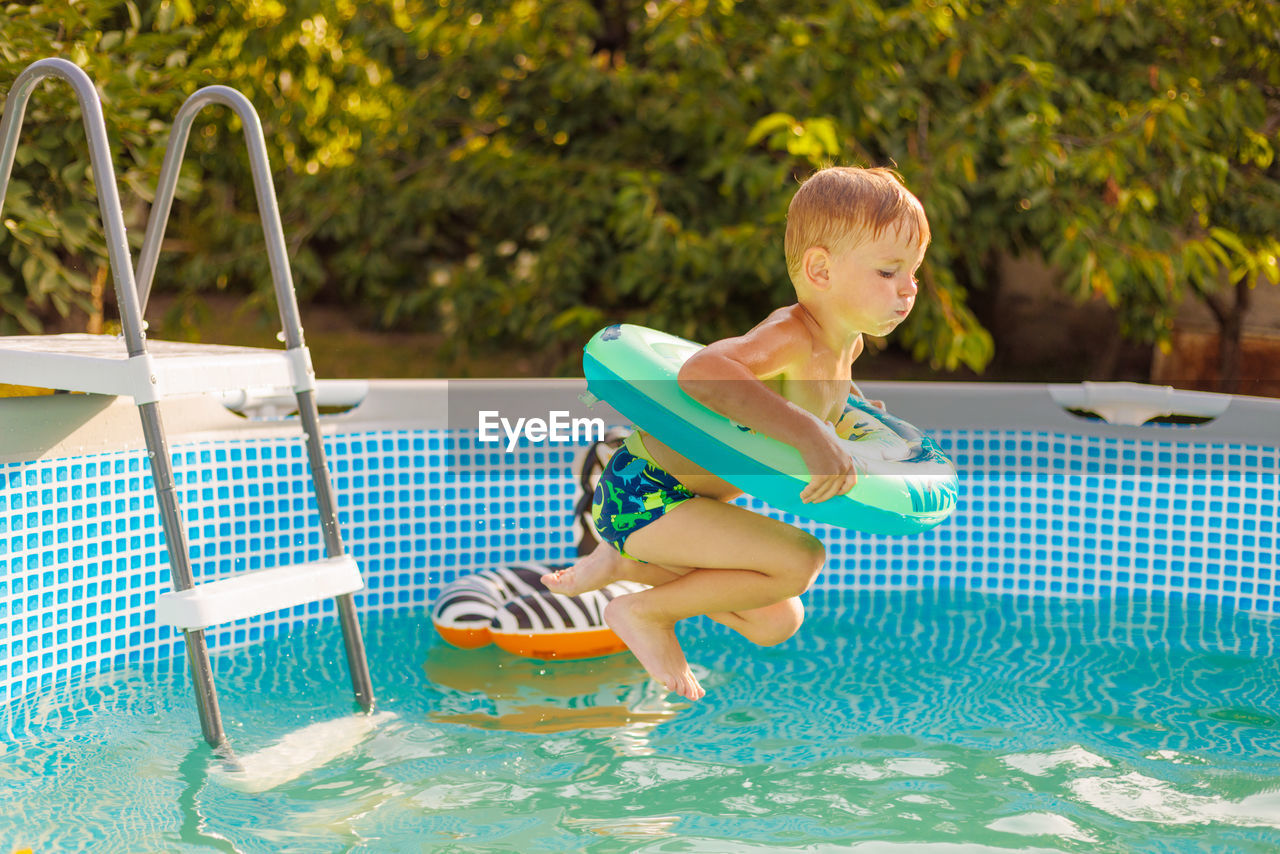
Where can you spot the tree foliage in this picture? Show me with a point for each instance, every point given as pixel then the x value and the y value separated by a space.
pixel 518 173
pixel 1130 144
pixel 52 249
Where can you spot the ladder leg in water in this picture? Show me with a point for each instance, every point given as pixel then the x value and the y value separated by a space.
pixel 352 637
pixel 175 534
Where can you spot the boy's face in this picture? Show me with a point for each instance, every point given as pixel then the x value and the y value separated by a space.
pixel 873 284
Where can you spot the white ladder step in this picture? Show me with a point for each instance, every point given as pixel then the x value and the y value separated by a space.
pixel 101 364
pixel 250 593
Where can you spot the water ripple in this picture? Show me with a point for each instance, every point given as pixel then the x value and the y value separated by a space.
pixel 893 722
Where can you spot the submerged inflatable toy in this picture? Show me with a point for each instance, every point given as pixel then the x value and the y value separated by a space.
pixel 906 484
pixel 510 607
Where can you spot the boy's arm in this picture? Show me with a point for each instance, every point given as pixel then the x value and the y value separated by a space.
pixel 727 376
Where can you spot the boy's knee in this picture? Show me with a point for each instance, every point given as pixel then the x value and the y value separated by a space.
pixel 816 552
pixel 784 622
pixel 810 556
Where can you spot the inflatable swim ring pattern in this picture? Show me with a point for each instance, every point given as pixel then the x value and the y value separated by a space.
pixel 510 607
pixel 906 484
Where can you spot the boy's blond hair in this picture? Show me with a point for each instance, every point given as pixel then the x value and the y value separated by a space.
pixel 841 206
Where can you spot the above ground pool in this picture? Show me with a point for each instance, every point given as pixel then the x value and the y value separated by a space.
pixel 1084 657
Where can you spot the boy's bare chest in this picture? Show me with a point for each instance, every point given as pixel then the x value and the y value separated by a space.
pixel 821 387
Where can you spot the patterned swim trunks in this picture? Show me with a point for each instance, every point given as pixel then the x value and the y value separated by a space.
pixel 633 492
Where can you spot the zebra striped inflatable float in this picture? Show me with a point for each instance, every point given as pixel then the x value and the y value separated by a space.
pixel 509 606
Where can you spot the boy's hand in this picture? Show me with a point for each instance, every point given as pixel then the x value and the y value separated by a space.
pixel 832 471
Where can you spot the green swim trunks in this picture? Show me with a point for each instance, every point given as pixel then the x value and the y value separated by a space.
pixel 633 491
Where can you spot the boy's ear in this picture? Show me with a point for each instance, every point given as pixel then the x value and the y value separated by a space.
pixel 817 267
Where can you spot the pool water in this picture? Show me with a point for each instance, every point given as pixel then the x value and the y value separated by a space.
pixel 895 721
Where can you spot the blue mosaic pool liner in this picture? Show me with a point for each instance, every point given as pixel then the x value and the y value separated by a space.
pixel 82 558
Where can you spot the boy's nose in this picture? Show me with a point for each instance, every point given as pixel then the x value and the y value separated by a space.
pixel 911 287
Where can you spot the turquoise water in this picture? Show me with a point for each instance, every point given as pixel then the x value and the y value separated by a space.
pixel 894 722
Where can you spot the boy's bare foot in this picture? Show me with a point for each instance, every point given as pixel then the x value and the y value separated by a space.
pixel 654 644
pixel 592 572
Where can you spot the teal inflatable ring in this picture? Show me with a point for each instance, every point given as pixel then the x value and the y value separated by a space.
pixel 906 484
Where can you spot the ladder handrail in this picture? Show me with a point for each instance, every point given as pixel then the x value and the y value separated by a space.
pixel 287 303
pixel 131 295
pixel 119 257
pixel 263 187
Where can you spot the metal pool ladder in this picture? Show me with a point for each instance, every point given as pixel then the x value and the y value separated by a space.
pixel 151 371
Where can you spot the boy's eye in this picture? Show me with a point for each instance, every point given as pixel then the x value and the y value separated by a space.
pixel 886 274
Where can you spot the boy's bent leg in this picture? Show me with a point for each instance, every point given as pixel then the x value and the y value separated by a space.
pixel 768 561
pixel 746 562
pixel 766 626
pixel 603 566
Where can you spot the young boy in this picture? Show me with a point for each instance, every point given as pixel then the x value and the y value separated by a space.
pixel 854 240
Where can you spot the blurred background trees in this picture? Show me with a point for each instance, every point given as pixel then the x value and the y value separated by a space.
pixel 513 175
pixel 52 249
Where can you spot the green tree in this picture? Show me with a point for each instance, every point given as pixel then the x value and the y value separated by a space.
pixel 341 132
pixel 537 169
pixel 1131 144
pixel 1136 149
pixel 491 170
pixel 52 249
pixel 515 174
